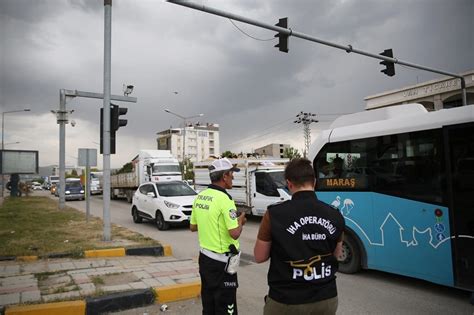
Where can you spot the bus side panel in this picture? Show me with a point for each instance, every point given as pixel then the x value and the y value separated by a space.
pixel 357 208
pixel 400 236
pixel 413 239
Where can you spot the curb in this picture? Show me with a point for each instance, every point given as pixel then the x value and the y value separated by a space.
pixel 112 302
pixel 119 301
pixel 105 252
pixel 178 292
pixel 57 308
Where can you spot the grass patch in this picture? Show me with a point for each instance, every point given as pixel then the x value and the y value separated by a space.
pixel 44 275
pixel 34 226
pixel 97 280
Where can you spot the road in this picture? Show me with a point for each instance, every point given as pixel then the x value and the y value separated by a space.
pixel 368 292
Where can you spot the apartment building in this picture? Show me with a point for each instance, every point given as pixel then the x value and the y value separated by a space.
pixel 197 142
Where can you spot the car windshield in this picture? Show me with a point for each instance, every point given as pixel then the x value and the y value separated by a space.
pixel 74 184
pixel 166 169
pixel 175 190
pixel 278 178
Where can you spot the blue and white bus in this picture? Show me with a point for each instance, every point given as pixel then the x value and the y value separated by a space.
pixel 403 178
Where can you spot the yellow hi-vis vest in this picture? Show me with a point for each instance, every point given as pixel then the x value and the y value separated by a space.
pixel 215 214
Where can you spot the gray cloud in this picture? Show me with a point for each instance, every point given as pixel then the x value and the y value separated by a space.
pixel 243 84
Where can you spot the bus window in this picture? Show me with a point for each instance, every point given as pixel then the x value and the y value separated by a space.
pixel 408 165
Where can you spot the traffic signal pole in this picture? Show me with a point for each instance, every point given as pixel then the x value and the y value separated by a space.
pixel 290 32
pixel 106 122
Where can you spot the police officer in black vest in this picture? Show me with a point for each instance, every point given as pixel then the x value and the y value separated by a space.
pixel 302 237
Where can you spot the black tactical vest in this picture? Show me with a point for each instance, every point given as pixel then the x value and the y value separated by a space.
pixel 304 236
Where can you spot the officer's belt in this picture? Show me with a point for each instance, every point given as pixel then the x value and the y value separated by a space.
pixel 216 256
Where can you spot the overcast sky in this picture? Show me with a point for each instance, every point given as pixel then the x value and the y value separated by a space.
pixel 244 84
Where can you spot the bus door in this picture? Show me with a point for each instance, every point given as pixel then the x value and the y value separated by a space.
pixel 460 143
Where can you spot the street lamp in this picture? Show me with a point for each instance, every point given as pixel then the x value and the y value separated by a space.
pixel 184 133
pixel 3 135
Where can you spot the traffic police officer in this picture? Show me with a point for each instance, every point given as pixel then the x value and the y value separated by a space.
pixel 215 218
pixel 302 237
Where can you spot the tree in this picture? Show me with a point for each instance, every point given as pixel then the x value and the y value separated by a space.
pixel 73 174
pixel 189 174
pixel 229 154
pixel 291 153
pixel 126 168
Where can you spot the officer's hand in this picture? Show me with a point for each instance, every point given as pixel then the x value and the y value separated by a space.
pixel 242 218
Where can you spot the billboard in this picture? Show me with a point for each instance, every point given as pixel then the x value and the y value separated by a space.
pixel 19 162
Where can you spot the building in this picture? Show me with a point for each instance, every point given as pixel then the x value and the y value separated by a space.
pixel 434 95
pixel 200 141
pixel 272 150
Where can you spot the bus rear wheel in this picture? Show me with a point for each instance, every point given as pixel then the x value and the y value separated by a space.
pixel 349 262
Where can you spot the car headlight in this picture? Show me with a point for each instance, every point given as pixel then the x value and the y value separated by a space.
pixel 82 191
pixel 171 205
pixel 67 192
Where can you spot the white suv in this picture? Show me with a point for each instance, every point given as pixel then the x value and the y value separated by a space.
pixel 166 203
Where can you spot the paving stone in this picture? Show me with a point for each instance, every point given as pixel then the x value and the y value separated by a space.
pixel 189 280
pixel 81 264
pixel 30 296
pixel 183 276
pixel 142 275
pixel 54 267
pixel 55 280
pixel 68 266
pixel 138 285
pixel 5 290
pixel 35 268
pixel 165 280
pixel 60 296
pixel 152 282
pixel 17 280
pixel 114 288
pixel 12 298
pixel 72 272
pixel 98 263
pixel 82 280
pixel 11 270
pixel 86 289
pixel 151 269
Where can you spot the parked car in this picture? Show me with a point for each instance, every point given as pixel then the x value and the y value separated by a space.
pixel 36 186
pixel 74 190
pixel 166 203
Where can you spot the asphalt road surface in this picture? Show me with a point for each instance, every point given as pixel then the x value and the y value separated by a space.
pixel 368 292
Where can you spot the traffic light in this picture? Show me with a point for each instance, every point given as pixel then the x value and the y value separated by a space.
pixel 390 66
pixel 115 124
pixel 282 38
pixel 115 113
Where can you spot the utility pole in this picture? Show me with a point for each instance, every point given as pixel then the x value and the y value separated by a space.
pixel 285 32
pixel 306 119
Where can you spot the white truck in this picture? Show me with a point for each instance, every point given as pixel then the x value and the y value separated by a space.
pixel 260 183
pixel 147 166
pixel 96 183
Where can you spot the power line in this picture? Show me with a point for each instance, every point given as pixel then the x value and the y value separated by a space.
pixel 256 136
pixel 263 40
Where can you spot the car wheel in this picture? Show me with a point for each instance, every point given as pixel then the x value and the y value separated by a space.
pixel 136 217
pixel 349 262
pixel 161 224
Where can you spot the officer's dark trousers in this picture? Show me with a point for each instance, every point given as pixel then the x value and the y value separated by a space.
pixel 218 288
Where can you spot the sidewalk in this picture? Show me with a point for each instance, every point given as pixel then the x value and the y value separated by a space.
pixel 52 280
